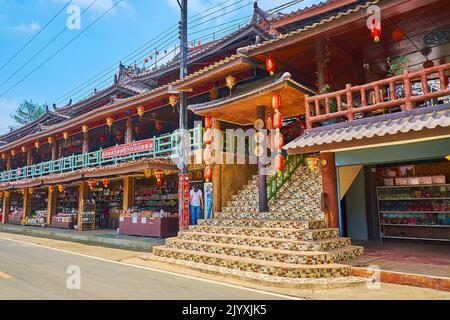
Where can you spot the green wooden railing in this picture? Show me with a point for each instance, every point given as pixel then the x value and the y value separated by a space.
pixel 275 182
pixel 163 146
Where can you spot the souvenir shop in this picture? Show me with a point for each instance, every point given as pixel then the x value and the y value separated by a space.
pixel 15 214
pixel 402 200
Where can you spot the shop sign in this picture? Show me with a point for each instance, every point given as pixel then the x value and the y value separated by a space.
pixel 129 148
pixel 183 197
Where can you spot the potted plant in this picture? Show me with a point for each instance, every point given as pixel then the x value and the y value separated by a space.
pixel 396 67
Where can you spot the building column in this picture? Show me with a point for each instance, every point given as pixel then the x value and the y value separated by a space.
pixel 82 195
pixel 85 146
pixel 262 181
pixel 26 204
pixel 51 205
pixel 129 131
pixel 321 65
pixel 6 206
pixel 329 185
pixel 29 157
pixel 8 162
pixel 128 192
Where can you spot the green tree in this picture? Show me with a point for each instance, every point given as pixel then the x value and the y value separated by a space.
pixel 27 111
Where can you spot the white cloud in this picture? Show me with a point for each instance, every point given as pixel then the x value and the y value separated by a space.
pixel 7 107
pixel 31 27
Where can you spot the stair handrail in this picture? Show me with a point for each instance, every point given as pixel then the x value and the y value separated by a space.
pixel 275 182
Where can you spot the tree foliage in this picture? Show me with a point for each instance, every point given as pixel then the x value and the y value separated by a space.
pixel 27 111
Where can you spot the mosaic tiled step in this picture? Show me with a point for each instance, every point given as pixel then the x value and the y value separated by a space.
pixel 264 279
pixel 283 233
pixel 255 265
pixel 266 242
pixel 267 254
pixel 317 215
pixel 265 223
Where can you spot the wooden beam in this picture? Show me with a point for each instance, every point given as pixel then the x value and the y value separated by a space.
pixel 51 206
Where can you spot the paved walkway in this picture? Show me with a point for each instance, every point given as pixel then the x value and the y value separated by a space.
pixel 99 236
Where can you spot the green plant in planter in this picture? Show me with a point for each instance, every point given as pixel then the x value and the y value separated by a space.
pixel 396 67
pixel 333 103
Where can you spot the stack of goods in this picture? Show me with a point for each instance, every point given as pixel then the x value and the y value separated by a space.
pixel 39 218
pixel 88 217
pixel 66 216
pixel 136 212
pixel 416 219
pixel 15 215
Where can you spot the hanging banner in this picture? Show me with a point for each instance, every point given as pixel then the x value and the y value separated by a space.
pixel 129 148
pixel 183 198
pixel 208 192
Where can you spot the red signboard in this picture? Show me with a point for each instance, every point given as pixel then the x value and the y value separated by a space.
pixel 129 148
pixel 183 197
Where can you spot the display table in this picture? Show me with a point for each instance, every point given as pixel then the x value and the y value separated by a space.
pixel 149 227
pixel 14 219
pixel 62 225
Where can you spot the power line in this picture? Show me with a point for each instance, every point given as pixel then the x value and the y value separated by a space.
pixel 108 72
pixel 130 56
pixel 43 48
pixel 32 38
pixel 62 48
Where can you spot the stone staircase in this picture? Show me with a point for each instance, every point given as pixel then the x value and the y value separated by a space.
pixel 290 245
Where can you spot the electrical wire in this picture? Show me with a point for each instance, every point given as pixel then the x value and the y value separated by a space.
pixel 34 36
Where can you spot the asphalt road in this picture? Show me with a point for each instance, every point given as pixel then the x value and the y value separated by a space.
pixel 33 272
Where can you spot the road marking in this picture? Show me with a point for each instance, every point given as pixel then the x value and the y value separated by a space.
pixel 5 275
pixel 273 294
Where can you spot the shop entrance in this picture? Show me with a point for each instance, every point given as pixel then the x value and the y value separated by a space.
pixel 16 208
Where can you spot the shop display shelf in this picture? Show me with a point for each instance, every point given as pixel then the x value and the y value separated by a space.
pixel 416 225
pixel 414 212
pixel 400 199
pixel 414 186
pixel 414 238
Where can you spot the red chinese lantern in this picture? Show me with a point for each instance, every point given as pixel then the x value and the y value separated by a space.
pixel 279 162
pixel 102 138
pixel 208 174
pixel 159 175
pixel 146 60
pixel 277 120
pixel 208 122
pixel 106 182
pixel 398 35
pixel 91 184
pixel 278 141
pixel 61 188
pixel 138 130
pixel 207 136
pixel 376 31
pixel 270 65
pixel 51 189
pixel 276 102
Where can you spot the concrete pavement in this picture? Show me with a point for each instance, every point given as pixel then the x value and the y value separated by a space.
pixel 156 281
pixel 33 272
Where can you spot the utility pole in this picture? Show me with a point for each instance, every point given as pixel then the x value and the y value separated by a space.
pixel 183 177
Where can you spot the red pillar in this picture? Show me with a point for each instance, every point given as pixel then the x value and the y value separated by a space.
pixel 329 185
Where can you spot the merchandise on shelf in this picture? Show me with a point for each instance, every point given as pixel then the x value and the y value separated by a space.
pixel 39 218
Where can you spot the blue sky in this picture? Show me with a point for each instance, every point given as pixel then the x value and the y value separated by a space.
pixel 127 27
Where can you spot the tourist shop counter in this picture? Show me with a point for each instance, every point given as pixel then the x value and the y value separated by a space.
pixel 155 210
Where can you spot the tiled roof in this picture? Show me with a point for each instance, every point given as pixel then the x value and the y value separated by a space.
pixel 331 18
pixel 248 89
pixel 305 9
pixel 378 126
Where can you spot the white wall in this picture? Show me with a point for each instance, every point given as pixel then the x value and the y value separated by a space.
pixel 355 203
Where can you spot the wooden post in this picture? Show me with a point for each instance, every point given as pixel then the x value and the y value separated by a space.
pixel 29 156
pixel 26 204
pixel 308 112
pixel 350 115
pixel 217 188
pixel 8 162
pixel 85 147
pixel 6 206
pixel 82 195
pixel 129 131
pixel 55 150
pixel 408 91
pixel 262 181
pixel 129 184
pixel 321 66
pixel 329 185
pixel 51 206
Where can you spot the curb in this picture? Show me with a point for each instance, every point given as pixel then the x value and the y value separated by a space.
pixel 127 244
pixel 408 279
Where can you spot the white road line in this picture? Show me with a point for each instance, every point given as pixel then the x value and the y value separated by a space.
pixel 278 295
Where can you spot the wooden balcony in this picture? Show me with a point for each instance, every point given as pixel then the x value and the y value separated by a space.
pixel 387 95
